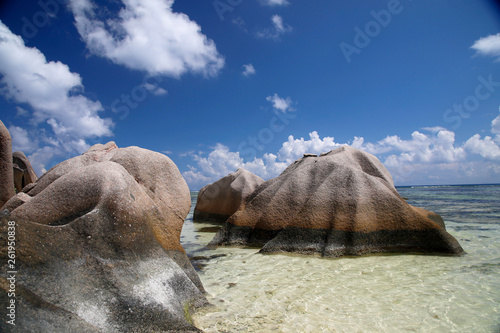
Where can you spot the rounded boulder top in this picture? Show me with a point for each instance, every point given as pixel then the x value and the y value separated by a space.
pixel 340 203
pixel 219 200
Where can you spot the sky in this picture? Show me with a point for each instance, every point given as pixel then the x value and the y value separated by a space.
pixel 219 85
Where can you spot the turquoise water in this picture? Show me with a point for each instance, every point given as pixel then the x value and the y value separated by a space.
pixel 251 292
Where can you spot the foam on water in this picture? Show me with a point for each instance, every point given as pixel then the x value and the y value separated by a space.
pixel 383 293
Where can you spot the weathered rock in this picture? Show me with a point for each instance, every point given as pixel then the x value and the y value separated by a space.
pixel 97 246
pixel 217 201
pixel 341 203
pixel 23 171
pixel 6 176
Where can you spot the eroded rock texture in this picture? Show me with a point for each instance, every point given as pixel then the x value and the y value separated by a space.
pixel 341 203
pixel 97 246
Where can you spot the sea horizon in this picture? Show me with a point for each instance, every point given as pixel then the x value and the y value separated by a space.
pixel 423 185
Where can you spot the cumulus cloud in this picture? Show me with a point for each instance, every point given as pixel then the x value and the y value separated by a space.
pixel 50 88
pixel 281 104
pixel 248 70
pixel 53 93
pixel 267 167
pixel 488 46
pixel 148 36
pixel 486 147
pixel 273 3
pixel 277 29
pixel 296 148
pixel 435 148
pixel 219 162
pixel 430 156
pixel 489 147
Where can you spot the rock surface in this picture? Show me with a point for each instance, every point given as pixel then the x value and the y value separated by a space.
pixel 23 171
pixel 217 201
pixel 6 176
pixel 97 246
pixel 341 203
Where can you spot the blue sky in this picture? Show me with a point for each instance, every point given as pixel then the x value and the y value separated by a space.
pixel 218 85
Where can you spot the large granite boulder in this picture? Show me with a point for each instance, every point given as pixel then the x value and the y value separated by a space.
pixel 7 190
pixel 97 247
pixel 219 200
pixel 23 171
pixel 341 203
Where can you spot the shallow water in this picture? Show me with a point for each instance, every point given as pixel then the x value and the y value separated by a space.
pixel 253 292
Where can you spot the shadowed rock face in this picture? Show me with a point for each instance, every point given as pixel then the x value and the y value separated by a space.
pixel 6 177
pixel 341 203
pixel 217 201
pixel 97 246
pixel 23 171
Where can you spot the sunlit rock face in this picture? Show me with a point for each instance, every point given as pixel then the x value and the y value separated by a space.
pixel 7 190
pixel 97 246
pixel 219 200
pixel 339 203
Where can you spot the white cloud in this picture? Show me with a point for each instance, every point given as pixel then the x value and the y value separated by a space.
pixel 425 148
pixel 489 147
pixel 277 29
pixel 42 157
pixel 154 89
pixel 278 23
pixel 49 88
pixel 219 162
pixel 434 129
pixel 281 104
pixel 296 148
pixel 148 36
pixel 486 147
pixel 273 3
pixel 489 46
pixel 159 91
pixel 425 158
pixel 54 95
pixel 248 70
pixel 266 167
pixel 20 112
pixel 495 125
pixel 21 140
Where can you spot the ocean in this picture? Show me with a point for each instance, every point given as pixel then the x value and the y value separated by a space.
pixel 252 292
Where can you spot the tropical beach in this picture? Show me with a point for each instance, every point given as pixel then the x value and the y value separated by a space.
pixel 249 166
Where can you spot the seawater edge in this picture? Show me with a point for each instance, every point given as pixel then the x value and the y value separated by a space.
pixel 406 293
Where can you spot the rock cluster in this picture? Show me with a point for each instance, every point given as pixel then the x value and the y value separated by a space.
pixel 217 201
pixel 341 203
pixel 97 246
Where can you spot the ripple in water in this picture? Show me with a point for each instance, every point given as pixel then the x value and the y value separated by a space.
pixel 382 293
